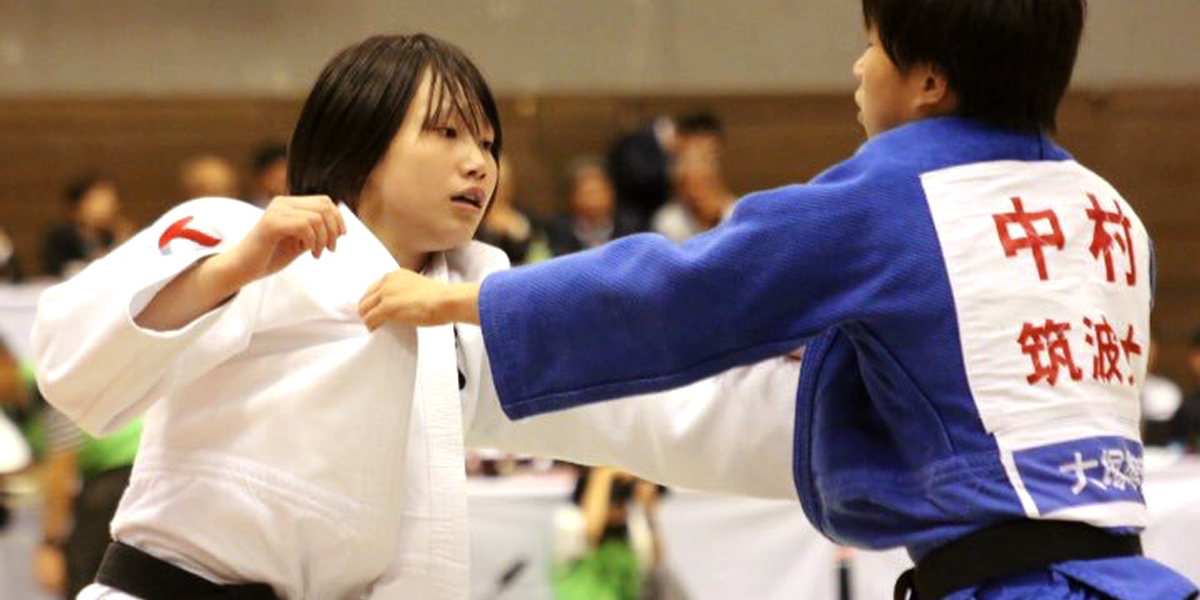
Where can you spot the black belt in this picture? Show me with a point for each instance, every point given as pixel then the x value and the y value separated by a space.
pixel 136 573
pixel 1009 549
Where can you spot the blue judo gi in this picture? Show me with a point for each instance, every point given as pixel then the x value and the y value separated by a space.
pixel 975 307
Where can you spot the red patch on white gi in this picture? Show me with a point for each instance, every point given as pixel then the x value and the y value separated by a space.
pixel 179 229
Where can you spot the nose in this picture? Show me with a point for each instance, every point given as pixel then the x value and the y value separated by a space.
pixel 475 160
pixel 858 67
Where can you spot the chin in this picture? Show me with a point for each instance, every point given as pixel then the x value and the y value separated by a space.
pixel 458 240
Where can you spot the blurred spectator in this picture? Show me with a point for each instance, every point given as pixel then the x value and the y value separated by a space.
pixel 701 133
pixel 14 452
pixel 1161 399
pixel 621 547
pixel 638 164
pixel 14 387
pixel 1185 425
pixel 84 480
pixel 94 226
pixel 268 174
pixel 11 270
pixel 208 175
pixel 593 218
pixel 701 199
pixel 507 228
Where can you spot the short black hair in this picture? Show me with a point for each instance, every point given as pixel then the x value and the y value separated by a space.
pixel 1007 61
pixel 360 99
pixel 699 122
pixel 267 155
pixel 80 186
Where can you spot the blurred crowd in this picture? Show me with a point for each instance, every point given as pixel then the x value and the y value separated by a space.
pixel 664 177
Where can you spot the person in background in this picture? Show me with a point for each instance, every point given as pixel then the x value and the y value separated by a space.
pixel 640 163
pixel 1161 399
pixel 622 546
pixel 94 226
pixel 1184 426
pixel 268 174
pixel 84 479
pixel 208 176
pixel 14 452
pixel 11 270
pixel 639 166
pixel 509 229
pixel 593 217
pixel 702 200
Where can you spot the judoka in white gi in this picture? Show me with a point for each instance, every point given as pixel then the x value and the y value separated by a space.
pixel 284 444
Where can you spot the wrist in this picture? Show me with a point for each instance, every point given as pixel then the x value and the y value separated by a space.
pixel 461 304
pixel 224 273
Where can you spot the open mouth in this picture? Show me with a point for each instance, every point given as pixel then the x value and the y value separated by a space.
pixel 467 199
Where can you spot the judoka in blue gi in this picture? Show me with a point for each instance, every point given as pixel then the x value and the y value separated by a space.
pixel 974 305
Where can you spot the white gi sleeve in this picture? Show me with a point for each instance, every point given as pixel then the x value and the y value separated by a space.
pixel 95 364
pixel 731 433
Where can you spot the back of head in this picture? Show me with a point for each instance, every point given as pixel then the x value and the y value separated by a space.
pixel 1007 61
pixel 360 99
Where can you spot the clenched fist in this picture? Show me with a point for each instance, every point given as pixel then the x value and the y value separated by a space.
pixel 290 226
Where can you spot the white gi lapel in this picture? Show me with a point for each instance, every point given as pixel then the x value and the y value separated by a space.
pixel 431 555
pixel 437 386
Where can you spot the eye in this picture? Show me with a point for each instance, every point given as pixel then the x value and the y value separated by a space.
pixel 449 133
pixel 487 145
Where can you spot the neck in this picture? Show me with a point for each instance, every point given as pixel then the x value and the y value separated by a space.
pixel 407 258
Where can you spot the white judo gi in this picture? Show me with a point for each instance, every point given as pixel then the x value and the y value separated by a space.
pixel 286 444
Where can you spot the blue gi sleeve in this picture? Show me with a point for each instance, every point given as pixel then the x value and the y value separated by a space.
pixel 642 314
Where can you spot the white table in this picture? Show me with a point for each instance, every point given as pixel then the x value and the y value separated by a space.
pixel 725 547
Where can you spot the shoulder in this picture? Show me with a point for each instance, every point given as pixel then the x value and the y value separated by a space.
pixel 201 223
pixel 214 207
pixel 224 215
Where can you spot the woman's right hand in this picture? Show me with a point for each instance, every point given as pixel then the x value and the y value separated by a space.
pixel 290 226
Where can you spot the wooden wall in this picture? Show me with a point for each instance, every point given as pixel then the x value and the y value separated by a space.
pixel 1145 141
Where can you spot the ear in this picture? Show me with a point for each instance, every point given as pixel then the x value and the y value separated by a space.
pixel 932 95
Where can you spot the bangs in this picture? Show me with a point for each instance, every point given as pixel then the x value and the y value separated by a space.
pixel 457 92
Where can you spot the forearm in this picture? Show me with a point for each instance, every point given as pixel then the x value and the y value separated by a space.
pixel 59 484
pixel 692 437
pixel 194 292
pixel 596 501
